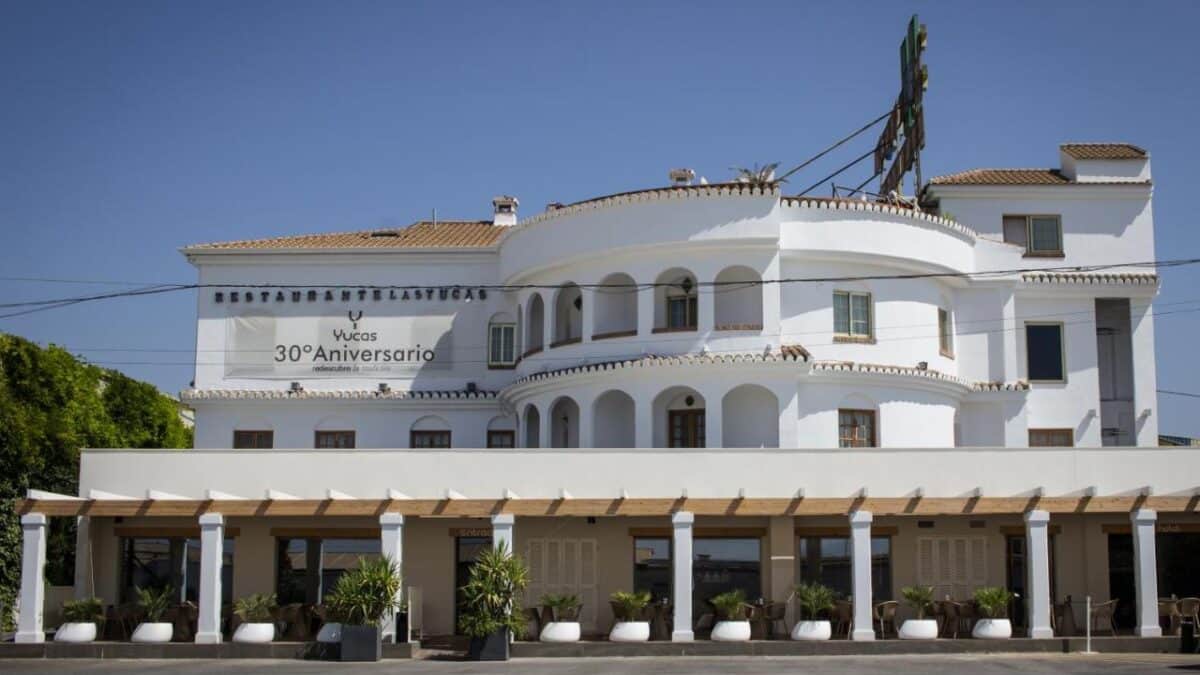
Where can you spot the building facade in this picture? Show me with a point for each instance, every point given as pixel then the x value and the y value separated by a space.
pixel 684 390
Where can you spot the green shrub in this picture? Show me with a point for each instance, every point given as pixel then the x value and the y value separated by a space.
pixel 813 599
pixel 629 606
pixel 992 601
pixel 256 608
pixel 153 603
pixel 87 610
pixel 920 598
pixel 366 595
pixel 492 596
pixel 731 605
pixel 562 607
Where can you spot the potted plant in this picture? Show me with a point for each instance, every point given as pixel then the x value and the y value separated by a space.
pixel 492 603
pixel 563 611
pixel 920 598
pixel 361 599
pixel 257 613
pixel 993 605
pixel 80 620
pixel 813 599
pixel 732 624
pixel 153 605
pixel 628 609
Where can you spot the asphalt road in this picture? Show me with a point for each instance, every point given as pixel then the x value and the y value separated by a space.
pixel 981 664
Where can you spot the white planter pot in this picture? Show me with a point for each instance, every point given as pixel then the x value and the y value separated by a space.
pixel 731 631
pixel 153 632
pixel 919 629
pixel 76 632
pixel 630 631
pixel 560 631
pixel 330 633
pixel 992 629
pixel 256 633
pixel 812 630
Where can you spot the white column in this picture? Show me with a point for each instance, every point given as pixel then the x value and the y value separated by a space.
pixel 772 304
pixel 587 423
pixel 84 577
pixel 391 542
pixel 212 541
pixel 714 429
pixel 643 422
pixel 706 306
pixel 502 531
pixel 789 415
pixel 33 585
pixel 1037 583
pixel 645 311
pixel 548 320
pixel 681 556
pixel 587 315
pixel 1145 572
pixel 546 426
pixel 860 570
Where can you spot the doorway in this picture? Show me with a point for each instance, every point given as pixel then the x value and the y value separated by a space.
pixel 685 428
pixel 466 550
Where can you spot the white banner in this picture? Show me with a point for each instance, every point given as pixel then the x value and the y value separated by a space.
pixel 348 344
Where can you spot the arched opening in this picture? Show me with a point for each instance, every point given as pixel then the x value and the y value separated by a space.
pixel 675 301
pixel 615 307
pixel 613 415
pixel 679 420
pixel 858 422
pixel 750 418
pixel 738 299
pixel 564 424
pixel 502 432
pixel 535 321
pixel 568 315
pixel 533 427
pixel 502 340
pixel 430 431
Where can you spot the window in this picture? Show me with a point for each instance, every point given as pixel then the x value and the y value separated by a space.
pixel 502 439
pixel 169 562
pixel 852 314
pixel 335 439
pixel 1040 235
pixel 429 439
pixel 502 346
pixel 306 569
pixel 945 333
pixel 1044 352
pixel 856 429
pixel 250 440
pixel 826 560
pixel 681 311
pixel 1051 438
pixel 722 564
pixel 652 567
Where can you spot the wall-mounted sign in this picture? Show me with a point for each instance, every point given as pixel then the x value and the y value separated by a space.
pixel 353 342
pixel 260 296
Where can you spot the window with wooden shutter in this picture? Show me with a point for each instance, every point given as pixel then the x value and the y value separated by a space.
pixel 953 566
pixel 564 567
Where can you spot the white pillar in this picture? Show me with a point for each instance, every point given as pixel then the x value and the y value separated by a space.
pixel 587 424
pixel 643 422
pixel 1037 583
pixel 212 543
pixel 645 311
pixel 1145 572
pixel 548 307
pixel 587 315
pixel 546 437
pixel 706 307
pixel 391 542
pixel 789 415
pixel 860 570
pixel 33 585
pixel 682 522
pixel 714 429
pixel 84 577
pixel 502 531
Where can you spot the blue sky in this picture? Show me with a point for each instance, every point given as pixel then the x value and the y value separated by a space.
pixel 129 129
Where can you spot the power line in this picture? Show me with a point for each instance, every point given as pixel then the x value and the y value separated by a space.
pixel 835 174
pixel 1178 393
pixel 837 145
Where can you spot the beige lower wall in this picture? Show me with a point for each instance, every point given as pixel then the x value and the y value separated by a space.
pixel 1081 550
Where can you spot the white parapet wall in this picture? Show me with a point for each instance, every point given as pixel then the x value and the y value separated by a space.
pixel 601 473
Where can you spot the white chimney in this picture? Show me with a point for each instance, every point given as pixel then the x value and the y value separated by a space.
pixel 504 210
pixel 680 177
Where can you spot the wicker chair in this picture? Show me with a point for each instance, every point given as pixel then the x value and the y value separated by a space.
pixel 951 613
pixel 1169 609
pixel 885 614
pixel 776 616
pixel 843 617
pixel 1189 608
pixel 183 618
pixel 1102 617
pixel 297 622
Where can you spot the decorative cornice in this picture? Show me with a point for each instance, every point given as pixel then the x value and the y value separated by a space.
pixel 1089 279
pixel 650 195
pixel 907 371
pixel 331 394
pixel 788 353
pixel 876 207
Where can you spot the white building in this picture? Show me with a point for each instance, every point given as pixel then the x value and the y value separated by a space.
pixel 682 389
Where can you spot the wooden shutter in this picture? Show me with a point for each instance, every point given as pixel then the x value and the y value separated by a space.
pixel 564 566
pixel 953 566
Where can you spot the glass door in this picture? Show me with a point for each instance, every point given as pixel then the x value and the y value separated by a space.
pixel 685 428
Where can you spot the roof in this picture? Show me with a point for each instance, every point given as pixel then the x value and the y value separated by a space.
pixel 423 234
pixel 1103 151
pixel 329 394
pixel 1004 177
pixel 1076 278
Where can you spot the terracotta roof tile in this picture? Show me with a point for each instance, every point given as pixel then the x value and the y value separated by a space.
pixel 1003 177
pixel 424 234
pixel 1103 151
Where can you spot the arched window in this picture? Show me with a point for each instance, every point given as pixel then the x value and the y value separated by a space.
pixel 502 341
pixel 568 315
pixel 615 304
pixel 430 431
pixel 536 325
pixel 738 300
pixel 676 306
pixel 501 432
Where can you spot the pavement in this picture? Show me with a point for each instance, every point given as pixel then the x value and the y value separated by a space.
pixel 981 664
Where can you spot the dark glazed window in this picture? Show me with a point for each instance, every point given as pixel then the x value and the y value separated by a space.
pixel 1044 351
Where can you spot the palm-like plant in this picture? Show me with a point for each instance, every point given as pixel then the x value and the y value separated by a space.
pixel 920 598
pixel 492 596
pixel 993 601
pixel 87 610
pixel 629 606
pixel 813 599
pixel 153 603
pixel 562 607
pixel 256 608
pixel 731 605
pixel 365 595
pixel 759 176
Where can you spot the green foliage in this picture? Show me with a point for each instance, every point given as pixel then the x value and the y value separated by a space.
pixel 256 608
pixel 51 406
pixel 88 610
pixel 813 599
pixel 492 596
pixel 993 601
pixel 153 603
pixel 920 598
pixel 364 596
pixel 562 607
pixel 731 605
pixel 629 606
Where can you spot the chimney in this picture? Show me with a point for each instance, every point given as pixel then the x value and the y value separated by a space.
pixel 680 177
pixel 504 210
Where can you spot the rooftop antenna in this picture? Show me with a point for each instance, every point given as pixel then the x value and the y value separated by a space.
pixel 435 217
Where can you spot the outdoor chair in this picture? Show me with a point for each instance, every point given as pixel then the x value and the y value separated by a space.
pixel 535 615
pixel 1102 617
pixel 1169 609
pixel 183 618
pixel 1063 618
pixel 776 617
pixel 1189 608
pixel 297 624
pixel 951 613
pixel 843 617
pixel 885 615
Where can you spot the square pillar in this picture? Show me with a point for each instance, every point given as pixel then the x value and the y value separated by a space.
pixel 502 531
pixel 546 426
pixel 212 544
pixel 706 309
pixel 84 577
pixel 714 428
pixel 860 570
pixel 1037 573
pixel 587 430
pixel 1145 573
pixel 643 422
pixel 587 315
pixel 645 311
pixel 681 564
pixel 782 541
pixel 33 583
pixel 391 544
